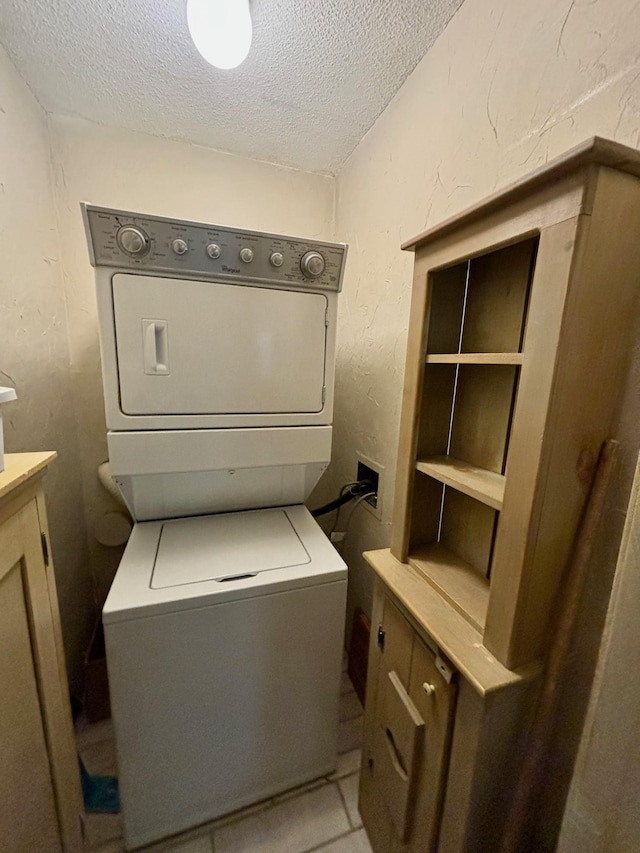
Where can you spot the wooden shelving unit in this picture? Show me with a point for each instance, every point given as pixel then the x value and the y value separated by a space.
pixel 473 330
pixel 500 397
pixel 518 339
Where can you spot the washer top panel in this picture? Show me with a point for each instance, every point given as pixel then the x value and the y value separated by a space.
pixel 211 560
pixel 226 547
pixel 134 241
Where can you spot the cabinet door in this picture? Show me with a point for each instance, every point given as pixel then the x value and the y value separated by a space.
pixel 390 652
pixel 396 644
pixel 28 819
pixel 407 737
pixel 397 750
pixel 434 699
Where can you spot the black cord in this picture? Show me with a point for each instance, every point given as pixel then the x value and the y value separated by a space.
pixel 357 489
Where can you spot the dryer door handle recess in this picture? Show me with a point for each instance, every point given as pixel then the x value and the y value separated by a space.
pixel 155 346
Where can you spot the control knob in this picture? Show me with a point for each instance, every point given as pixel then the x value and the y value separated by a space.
pixel 214 251
pixel 246 255
pixel 276 259
pixel 133 240
pixel 180 246
pixel 312 265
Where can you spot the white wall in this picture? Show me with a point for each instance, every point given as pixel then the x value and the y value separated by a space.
pixel 133 171
pixel 34 355
pixel 508 85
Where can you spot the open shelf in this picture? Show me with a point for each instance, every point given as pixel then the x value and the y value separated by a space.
pixel 475 326
pixel 480 305
pixel 466 412
pixel 475 358
pixel 463 524
pixel 497 299
pixel 478 483
pixel 482 412
pixel 457 581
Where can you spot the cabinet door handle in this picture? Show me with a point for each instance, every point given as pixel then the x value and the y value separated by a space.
pixel 396 758
pixel 45 547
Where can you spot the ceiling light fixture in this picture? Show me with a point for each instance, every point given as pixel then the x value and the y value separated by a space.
pixel 221 30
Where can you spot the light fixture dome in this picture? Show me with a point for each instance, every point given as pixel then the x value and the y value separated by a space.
pixel 221 30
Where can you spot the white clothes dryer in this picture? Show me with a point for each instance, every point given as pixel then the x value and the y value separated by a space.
pixel 224 624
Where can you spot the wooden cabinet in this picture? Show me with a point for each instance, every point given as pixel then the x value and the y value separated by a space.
pixel 40 795
pixel 412 693
pixel 518 342
pixel 475 714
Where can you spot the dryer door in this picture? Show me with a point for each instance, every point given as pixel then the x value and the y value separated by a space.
pixel 191 347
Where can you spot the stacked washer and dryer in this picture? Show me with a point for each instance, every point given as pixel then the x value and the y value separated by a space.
pixel 224 624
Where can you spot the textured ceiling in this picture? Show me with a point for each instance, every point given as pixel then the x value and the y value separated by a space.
pixel 318 74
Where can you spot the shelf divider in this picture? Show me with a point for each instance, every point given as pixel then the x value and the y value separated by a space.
pixel 475 358
pixel 485 486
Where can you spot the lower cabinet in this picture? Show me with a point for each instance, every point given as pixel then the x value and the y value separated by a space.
pixel 408 723
pixel 40 799
pixel 441 742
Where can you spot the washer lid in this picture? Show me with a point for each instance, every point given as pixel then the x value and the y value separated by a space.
pixel 225 548
pixel 205 561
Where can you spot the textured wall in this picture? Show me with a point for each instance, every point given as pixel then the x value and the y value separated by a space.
pixel 507 86
pixel 34 355
pixel 117 168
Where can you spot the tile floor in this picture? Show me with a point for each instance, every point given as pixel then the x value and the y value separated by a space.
pixel 321 817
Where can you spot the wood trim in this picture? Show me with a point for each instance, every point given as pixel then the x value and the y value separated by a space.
pixel 411 402
pixel 514 223
pixel 596 151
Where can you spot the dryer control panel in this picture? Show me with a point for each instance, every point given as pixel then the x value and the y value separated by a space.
pixel 135 241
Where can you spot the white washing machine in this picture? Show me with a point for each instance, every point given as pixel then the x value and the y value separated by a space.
pixel 224 624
